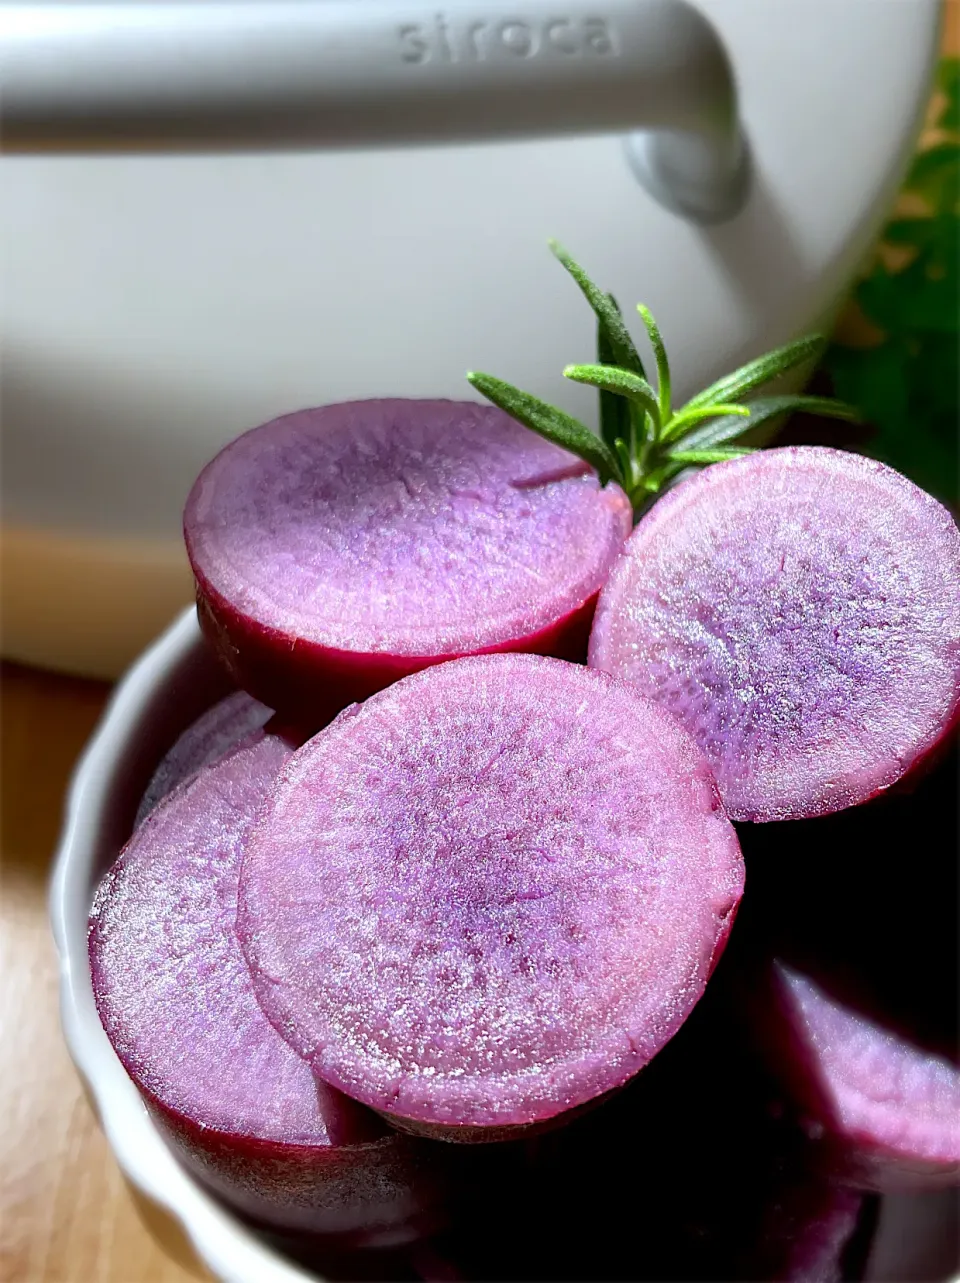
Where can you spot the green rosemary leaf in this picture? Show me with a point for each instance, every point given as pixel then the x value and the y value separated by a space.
pixel 622 452
pixel 663 365
pixel 614 411
pixel 621 382
pixel 686 419
pixel 688 457
pixel 618 336
pixel 720 431
pixel 723 431
pixel 550 422
pixel 762 370
pixel 655 481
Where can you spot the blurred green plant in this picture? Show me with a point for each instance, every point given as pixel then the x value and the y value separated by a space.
pixel 906 383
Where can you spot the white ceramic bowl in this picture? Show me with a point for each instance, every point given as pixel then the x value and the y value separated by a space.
pixel 166 689
pixel 172 683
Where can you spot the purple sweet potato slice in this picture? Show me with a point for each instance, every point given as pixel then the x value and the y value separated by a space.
pixel 695 1170
pixel 864 902
pixel 799 611
pixel 488 895
pixel 338 549
pixel 885 1111
pixel 213 734
pixel 733 1178
pixel 241 1110
pixel 846 954
pixel 807 1228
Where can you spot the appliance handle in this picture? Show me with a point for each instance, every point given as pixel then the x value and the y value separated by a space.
pixel 220 74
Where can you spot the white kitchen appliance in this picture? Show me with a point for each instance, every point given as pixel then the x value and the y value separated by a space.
pixel 213 213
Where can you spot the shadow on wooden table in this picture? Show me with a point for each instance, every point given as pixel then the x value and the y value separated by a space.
pixel 167 1232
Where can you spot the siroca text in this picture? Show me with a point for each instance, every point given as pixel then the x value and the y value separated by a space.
pixel 444 40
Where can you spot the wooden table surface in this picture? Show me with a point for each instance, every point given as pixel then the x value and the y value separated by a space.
pixel 66 1214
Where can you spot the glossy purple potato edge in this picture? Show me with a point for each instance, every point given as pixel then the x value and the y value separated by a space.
pixel 383 1192
pixel 217 730
pixel 338 549
pixel 884 1113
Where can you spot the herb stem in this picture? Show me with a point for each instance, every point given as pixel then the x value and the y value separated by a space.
pixel 644 445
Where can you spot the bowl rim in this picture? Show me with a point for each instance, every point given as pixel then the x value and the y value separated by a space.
pixel 226 1247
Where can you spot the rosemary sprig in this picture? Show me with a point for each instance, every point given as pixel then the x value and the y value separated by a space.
pixel 644 443
pixel 550 422
pixel 615 421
